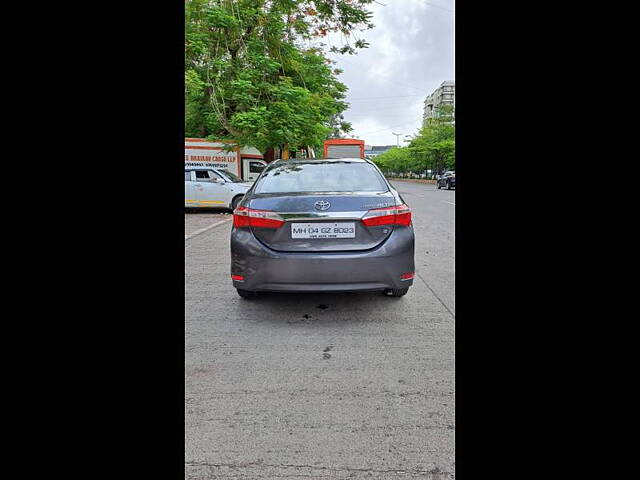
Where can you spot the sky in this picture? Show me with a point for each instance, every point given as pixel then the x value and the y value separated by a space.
pixel 411 53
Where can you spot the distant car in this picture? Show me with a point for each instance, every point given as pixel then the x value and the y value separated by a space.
pixel 322 225
pixel 213 188
pixel 448 180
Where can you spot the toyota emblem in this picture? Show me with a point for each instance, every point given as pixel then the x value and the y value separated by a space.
pixel 322 205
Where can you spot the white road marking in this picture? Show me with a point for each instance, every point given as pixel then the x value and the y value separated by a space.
pixel 448 202
pixel 202 230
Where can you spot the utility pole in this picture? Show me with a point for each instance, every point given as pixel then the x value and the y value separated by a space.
pixel 398 135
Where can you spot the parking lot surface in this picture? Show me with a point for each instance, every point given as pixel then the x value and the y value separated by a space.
pixel 198 219
pixel 322 386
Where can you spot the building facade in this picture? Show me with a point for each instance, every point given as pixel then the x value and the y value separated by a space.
pixel 445 94
pixel 375 150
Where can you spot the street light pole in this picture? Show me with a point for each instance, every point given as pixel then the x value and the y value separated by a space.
pixel 398 135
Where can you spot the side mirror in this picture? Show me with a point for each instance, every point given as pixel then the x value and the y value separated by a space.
pixel 219 180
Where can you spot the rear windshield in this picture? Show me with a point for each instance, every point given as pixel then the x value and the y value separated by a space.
pixel 321 177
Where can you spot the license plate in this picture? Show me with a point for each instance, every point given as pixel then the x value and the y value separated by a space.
pixel 323 230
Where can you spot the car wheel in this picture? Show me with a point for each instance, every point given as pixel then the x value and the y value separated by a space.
pixel 236 201
pixel 438 184
pixel 246 293
pixel 396 292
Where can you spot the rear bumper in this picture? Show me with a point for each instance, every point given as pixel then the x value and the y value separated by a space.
pixel 270 271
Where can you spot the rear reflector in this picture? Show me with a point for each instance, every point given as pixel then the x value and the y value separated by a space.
pixel 244 217
pixel 407 276
pixel 398 215
pixel 237 278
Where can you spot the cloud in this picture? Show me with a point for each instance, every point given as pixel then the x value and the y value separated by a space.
pixel 411 53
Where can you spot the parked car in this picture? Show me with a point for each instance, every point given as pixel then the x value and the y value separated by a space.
pixel 213 188
pixel 323 225
pixel 447 180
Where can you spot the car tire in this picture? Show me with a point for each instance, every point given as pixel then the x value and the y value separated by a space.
pixel 438 184
pixel 236 200
pixel 396 292
pixel 246 293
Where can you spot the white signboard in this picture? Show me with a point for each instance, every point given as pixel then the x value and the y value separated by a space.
pixel 201 153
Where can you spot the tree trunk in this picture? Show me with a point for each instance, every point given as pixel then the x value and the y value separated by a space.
pixel 285 152
pixel 269 155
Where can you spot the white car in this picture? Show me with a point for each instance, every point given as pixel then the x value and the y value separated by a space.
pixel 213 187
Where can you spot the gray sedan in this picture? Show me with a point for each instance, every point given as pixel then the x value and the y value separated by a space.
pixel 322 226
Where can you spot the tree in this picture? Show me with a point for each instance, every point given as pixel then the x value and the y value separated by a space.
pixel 339 127
pixel 433 148
pixel 395 160
pixel 250 80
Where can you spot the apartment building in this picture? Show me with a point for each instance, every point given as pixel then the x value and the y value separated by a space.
pixel 445 94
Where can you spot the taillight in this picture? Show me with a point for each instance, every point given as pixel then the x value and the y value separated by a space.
pixel 407 276
pixel 398 215
pixel 237 278
pixel 247 217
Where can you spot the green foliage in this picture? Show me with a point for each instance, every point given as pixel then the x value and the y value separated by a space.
pixel 249 79
pixel 394 160
pixel 434 148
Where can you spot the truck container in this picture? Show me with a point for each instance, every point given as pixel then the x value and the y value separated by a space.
pixel 343 148
pixel 246 162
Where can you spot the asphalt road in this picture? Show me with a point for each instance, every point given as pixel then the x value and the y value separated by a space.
pixel 322 386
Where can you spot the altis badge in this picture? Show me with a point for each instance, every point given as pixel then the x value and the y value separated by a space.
pixel 378 205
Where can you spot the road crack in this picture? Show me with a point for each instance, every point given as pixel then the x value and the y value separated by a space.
pixel 435 295
pixel 417 471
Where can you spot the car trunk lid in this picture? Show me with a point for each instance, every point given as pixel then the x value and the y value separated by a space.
pixel 327 222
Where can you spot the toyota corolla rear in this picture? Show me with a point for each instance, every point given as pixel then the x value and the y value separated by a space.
pixel 322 226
